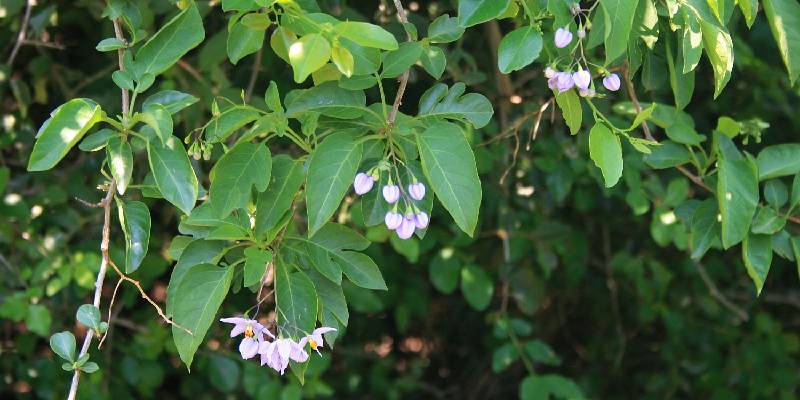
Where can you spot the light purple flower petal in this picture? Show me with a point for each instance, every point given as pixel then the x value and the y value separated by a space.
pixel 391 193
pixel 611 82
pixel 248 348
pixel 421 220
pixel 298 354
pixel 393 220
pixel 363 183
pixel 549 72
pixel 406 228
pixel 552 83
pixel 564 81
pixel 562 38
pixel 582 78
pixel 416 191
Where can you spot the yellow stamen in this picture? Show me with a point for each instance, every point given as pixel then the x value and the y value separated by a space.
pixel 248 331
pixel 313 343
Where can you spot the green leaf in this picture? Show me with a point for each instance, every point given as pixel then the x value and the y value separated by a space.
pixel 123 79
pixel 691 41
pixel 65 127
pixel 97 140
pixel 778 160
pixel 135 220
pixel 684 134
pixel 159 118
pixel 197 300
pixel 398 61
pixel 476 286
pixel 63 344
pixel 618 21
pixel 173 173
pixel 719 49
pixel 682 83
pixel 757 256
pixel 228 121
pixel 606 152
pixel 367 60
pixel 796 250
pixel 343 60
pixel 737 191
pixel 181 34
pixel 541 387
pixel 110 44
pixel 120 159
pixel 366 34
pixel 449 165
pixel 667 155
pixel 794 199
pixel 445 29
pixel 331 296
pixel 243 167
pixel 327 99
pixel 441 102
pixel 570 105
pixel 172 100
pixel 503 357
pixel 287 177
pixel 330 172
pixel 444 270
pixel 255 264
pixel 775 193
pixel 767 221
pixel 296 301
pixel 473 12
pixel 705 228
pixel 308 54
pixel 258 20
pixel 433 61
pixel 519 49
pixel 749 10
pixel 89 316
pixel 38 320
pixel 90 367
pixel 197 252
pixel 243 41
pixel 784 21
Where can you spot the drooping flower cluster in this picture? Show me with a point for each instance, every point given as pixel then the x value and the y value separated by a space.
pixel 413 218
pixel 276 353
pixel 576 76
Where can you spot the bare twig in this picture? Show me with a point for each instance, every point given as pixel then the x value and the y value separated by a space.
pixel 635 100
pixel 716 294
pixel 253 75
pixel 110 309
pixel 120 55
pixel 398 99
pixel 23 31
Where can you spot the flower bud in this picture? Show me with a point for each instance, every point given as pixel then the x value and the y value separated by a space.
pixel 581 33
pixel 611 82
pixel 363 183
pixel 391 193
pixel 393 220
pixel 416 191
pixel 421 220
pixel 406 228
pixel 564 81
pixel 549 72
pixel 586 92
pixel 582 78
pixel 562 38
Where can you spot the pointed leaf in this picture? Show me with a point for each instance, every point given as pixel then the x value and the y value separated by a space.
pixel 135 220
pixel 181 34
pixel 606 152
pixel 173 173
pixel 330 173
pixel 65 127
pixel 243 167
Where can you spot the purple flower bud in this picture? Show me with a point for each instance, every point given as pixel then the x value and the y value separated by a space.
pixel 586 92
pixel 611 82
pixel 552 83
pixel 421 220
pixel 393 220
pixel 549 72
pixel 562 38
pixel 582 78
pixel 363 183
pixel 416 191
pixel 581 33
pixel 391 193
pixel 406 228
pixel 564 81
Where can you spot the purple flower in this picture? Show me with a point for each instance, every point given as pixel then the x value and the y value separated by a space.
pixel 611 82
pixel 391 193
pixel 586 92
pixel 549 72
pixel 393 220
pixel 416 191
pixel 253 335
pixel 582 78
pixel 315 338
pixel 276 354
pixel 406 228
pixel 564 81
pixel 563 37
pixel 552 83
pixel 363 183
pixel 421 220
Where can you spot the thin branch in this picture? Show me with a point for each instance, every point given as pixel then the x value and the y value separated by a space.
pixel 715 293
pixel 253 75
pixel 635 101
pixel 23 31
pixel 398 99
pixel 120 55
pixel 110 309
pixel 39 43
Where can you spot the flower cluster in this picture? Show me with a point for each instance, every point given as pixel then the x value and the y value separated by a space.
pixel 580 78
pixel 413 218
pixel 276 353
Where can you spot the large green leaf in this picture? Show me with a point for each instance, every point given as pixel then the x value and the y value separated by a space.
pixel 778 160
pixel 749 10
pixel 296 301
pixel 784 20
pixel 476 286
pixel 441 102
pixel 135 220
pixel 367 35
pixel 197 300
pixel 120 159
pixel 767 221
pixel 327 99
pixel 570 105
pixel 173 173
pixel 473 12
pixel 433 60
pixel 737 191
pixel 272 204
pixel 197 252
pixel 449 165
pixel 682 83
pixel 172 100
pixel 228 121
pixel 398 61
pixel 63 344
pixel 331 296
pixel 243 167
pixel 691 41
pixel 667 155
pixel 171 42
pixel 618 21
pixel 159 118
pixel 330 173
pixel 243 41
pixel 704 229
pixel 519 49
pixel 308 54
pixel 445 29
pixel 255 264
pixel 757 256
pixel 716 41
pixel 65 127
pixel 606 152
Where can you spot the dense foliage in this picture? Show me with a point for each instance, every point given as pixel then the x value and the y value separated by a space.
pixel 455 199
